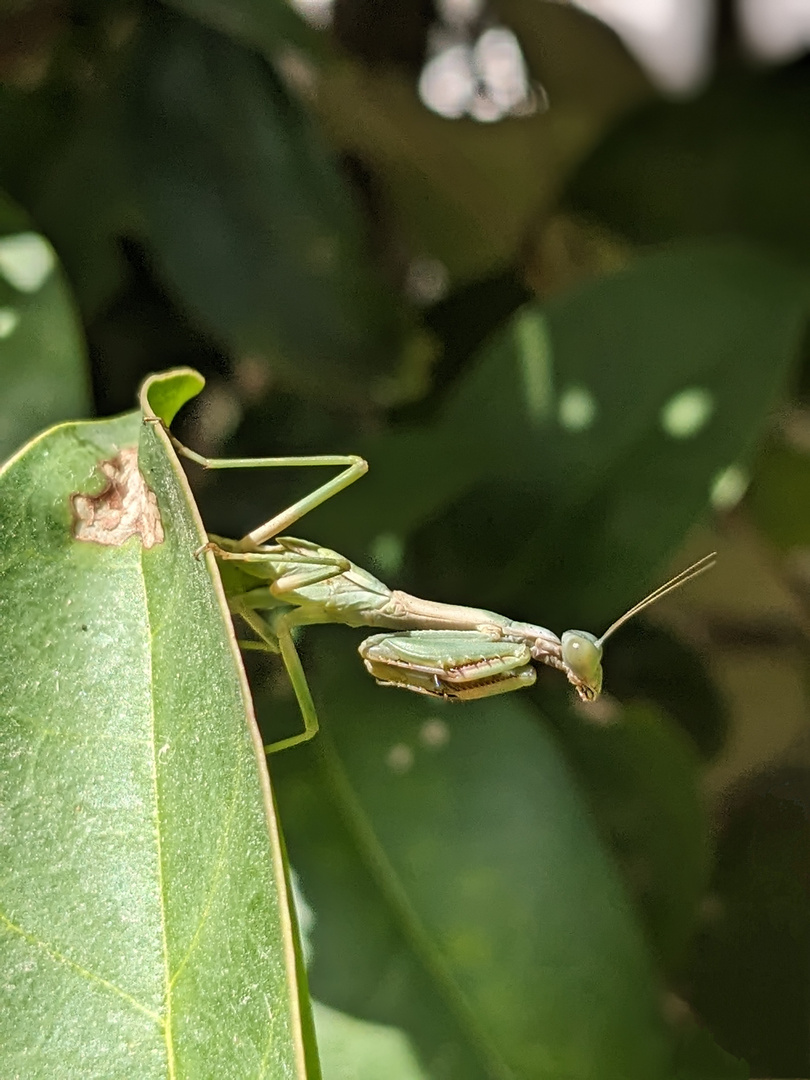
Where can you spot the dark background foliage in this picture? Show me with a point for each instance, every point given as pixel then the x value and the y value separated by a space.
pixel 571 342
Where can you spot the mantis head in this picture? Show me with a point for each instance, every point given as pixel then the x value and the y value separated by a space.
pixel 582 652
pixel 582 657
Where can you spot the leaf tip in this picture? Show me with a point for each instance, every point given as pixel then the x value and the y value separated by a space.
pixel 163 395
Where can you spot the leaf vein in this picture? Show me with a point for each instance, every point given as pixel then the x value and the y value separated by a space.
pixel 60 958
pixel 167 1029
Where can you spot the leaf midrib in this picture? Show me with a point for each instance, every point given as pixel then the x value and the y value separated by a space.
pixel 166 1022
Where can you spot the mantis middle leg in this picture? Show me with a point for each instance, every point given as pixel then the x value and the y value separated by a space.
pixel 353 468
pixel 276 637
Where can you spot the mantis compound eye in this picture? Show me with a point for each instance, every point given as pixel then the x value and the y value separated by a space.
pixel 582 655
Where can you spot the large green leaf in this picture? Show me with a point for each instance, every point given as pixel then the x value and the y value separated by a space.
pixel 42 356
pixel 250 220
pixel 144 922
pixel 459 889
pixel 641 775
pixel 353 1049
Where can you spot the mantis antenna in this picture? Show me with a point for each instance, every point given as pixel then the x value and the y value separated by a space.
pixel 691 572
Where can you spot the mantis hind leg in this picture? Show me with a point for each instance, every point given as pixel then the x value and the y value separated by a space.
pixel 353 468
pixel 277 638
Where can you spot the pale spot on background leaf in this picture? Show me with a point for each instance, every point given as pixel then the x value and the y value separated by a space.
pixel 399 758
pixel 686 413
pixel 26 261
pixel 9 318
pixel 577 408
pixel 534 355
pixel 434 734
pixel 728 487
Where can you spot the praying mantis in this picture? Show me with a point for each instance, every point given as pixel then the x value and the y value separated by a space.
pixel 442 650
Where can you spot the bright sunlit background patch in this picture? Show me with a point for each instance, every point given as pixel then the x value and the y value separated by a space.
pixel 776 29
pixel 671 38
pixel 476 68
pixel 486 79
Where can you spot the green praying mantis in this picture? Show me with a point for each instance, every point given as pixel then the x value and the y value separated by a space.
pixel 442 650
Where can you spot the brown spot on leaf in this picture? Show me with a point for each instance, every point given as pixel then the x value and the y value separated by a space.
pixel 126 507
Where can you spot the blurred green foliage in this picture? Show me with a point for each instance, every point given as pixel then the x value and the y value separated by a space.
pixel 42 353
pixel 563 341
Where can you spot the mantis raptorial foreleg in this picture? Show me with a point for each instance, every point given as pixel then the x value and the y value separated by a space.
pixel 443 650
pixel 458 665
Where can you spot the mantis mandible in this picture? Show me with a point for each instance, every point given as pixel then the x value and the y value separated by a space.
pixel 443 650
